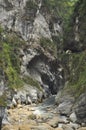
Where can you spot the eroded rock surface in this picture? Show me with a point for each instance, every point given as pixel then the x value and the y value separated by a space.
pixel 28 18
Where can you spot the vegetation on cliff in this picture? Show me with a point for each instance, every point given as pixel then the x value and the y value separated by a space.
pixel 75 72
pixel 75 44
pixel 9 59
pixel 75 32
pixel 60 8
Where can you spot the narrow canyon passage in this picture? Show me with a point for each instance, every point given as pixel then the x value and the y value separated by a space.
pixel 43 64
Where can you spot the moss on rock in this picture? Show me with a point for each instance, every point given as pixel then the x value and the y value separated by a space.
pixel 75 67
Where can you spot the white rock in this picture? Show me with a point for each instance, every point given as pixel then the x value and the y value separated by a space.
pixel 74 125
pixel 28 100
pixel 73 117
pixel 14 102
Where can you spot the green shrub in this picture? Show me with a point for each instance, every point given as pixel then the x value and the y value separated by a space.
pixel 9 59
pixel 3 100
pixel 11 70
pixel 32 82
pixel 49 45
pixel 31 5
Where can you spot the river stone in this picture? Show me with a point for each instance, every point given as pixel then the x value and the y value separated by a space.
pixel 65 107
pixel 53 122
pixel 65 102
pixel 66 127
pixel 80 108
pixel 58 129
pixel 42 127
pixel 28 100
pixel 74 125
pixel 83 124
pixel 73 117
pixel 82 128
pixel 63 119
pixel 14 103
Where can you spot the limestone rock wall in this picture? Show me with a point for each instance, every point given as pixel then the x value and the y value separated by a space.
pixel 27 18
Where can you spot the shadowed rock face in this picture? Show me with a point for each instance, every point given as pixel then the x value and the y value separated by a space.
pixel 44 71
pixel 75 37
pixel 80 108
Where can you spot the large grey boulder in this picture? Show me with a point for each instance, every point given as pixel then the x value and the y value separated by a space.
pixel 74 108
pixel 65 108
pixel 73 117
pixel 80 108
pixel 74 125
pixel 64 102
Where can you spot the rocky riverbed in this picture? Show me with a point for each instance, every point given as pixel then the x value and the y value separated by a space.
pixel 42 116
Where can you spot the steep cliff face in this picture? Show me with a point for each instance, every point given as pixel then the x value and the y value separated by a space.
pixel 77 64
pixel 75 34
pixel 29 18
pixel 28 46
pixel 74 64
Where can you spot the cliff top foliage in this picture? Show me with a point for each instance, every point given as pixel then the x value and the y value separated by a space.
pixel 61 8
pixel 74 29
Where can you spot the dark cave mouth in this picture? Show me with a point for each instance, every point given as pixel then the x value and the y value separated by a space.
pixel 48 79
pixel 51 85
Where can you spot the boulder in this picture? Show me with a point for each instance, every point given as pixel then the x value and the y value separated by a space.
pixel 64 102
pixel 53 122
pixel 82 128
pixel 28 100
pixel 66 127
pixel 74 125
pixel 14 103
pixel 42 127
pixel 73 117
pixel 58 129
pixel 80 108
pixel 65 107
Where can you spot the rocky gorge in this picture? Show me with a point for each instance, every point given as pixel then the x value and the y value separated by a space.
pixel 42 65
